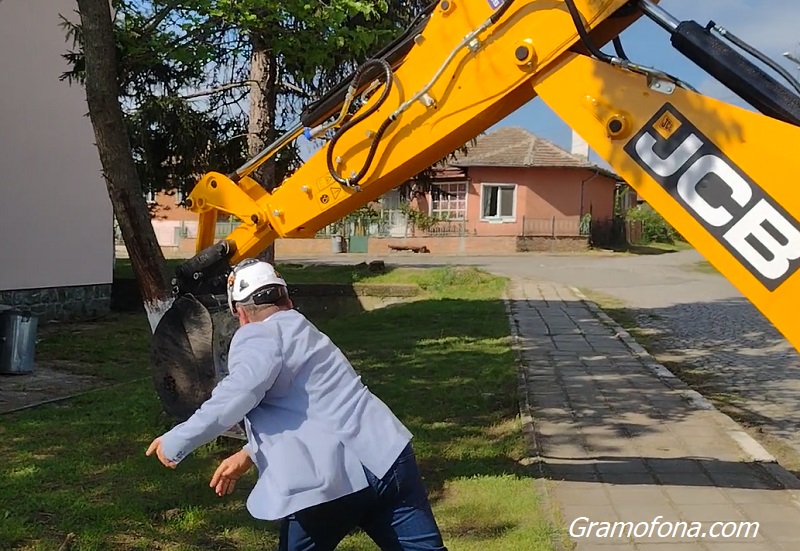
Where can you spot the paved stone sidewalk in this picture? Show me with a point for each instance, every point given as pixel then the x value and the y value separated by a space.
pixel 624 441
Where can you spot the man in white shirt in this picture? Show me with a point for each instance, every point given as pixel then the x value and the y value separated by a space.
pixel 331 455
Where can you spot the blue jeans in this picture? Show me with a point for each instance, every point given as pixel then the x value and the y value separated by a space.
pixel 394 511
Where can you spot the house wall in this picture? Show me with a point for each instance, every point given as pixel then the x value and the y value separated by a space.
pixel 166 207
pixel 479 177
pixel 541 195
pixel 569 194
pixel 56 220
pixel 547 203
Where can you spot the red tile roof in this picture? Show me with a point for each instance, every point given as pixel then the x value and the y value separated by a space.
pixel 516 147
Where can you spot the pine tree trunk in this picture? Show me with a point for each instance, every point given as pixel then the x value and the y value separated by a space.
pixel 261 126
pixel 119 171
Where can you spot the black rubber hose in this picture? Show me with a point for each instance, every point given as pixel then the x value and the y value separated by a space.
pixel 387 71
pixel 576 18
pixel 619 49
pixel 758 55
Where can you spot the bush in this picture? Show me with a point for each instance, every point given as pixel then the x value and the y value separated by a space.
pixel 654 228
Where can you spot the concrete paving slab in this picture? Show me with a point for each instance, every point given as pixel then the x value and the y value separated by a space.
pixel 613 425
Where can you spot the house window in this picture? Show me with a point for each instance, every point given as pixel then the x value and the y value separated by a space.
pixel 498 201
pixel 449 200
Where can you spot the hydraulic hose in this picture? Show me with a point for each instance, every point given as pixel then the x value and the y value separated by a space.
pixel 576 18
pixel 387 73
pixel 755 53
pixel 619 49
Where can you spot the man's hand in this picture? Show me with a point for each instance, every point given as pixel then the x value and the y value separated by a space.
pixel 155 446
pixel 229 471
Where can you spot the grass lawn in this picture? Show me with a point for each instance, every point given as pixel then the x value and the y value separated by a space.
pixel 443 364
pixel 329 273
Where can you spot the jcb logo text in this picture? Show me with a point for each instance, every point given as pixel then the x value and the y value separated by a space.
pixel 732 207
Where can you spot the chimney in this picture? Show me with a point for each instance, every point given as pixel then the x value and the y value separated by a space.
pixel 580 148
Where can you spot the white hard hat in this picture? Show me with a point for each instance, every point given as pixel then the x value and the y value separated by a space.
pixel 249 276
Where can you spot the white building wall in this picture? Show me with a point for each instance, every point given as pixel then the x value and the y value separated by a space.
pixel 56 222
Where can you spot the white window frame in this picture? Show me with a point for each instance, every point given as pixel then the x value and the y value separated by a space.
pixel 499 219
pixel 465 183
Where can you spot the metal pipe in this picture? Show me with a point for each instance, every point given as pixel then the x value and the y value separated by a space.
pixel 293 133
pixel 659 15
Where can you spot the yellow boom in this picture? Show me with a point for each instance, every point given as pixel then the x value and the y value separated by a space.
pixel 721 175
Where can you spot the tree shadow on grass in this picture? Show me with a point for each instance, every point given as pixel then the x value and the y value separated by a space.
pixel 444 366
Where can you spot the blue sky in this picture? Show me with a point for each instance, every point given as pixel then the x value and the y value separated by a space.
pixel 772 26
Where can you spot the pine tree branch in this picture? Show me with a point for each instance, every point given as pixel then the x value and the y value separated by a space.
pixel 223 88
pixel 240 84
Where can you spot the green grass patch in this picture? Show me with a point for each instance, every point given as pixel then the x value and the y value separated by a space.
pixel 115 349
pixel 443 364
pixel 446 281
pixel 124 270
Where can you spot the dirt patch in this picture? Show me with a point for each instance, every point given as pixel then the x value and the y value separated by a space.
pixel 45 383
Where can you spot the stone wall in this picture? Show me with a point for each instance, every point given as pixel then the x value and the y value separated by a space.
pixel 456 245
pixel 75 303
pixel 446 245
pixel 551 244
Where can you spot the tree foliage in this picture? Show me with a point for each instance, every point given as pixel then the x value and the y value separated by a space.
pixel 655 229
pixel 184 69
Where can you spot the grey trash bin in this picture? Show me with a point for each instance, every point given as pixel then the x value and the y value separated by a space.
pixel 17 341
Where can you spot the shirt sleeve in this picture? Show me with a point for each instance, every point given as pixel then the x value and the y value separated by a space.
pixel 254 362
pixel 248 449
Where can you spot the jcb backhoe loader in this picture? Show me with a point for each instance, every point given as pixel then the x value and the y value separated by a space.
pixel 723 176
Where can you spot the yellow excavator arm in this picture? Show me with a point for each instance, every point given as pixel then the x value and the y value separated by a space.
pixel 722 176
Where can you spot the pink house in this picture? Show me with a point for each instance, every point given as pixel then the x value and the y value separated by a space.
pixel 513 191
pixel 515 185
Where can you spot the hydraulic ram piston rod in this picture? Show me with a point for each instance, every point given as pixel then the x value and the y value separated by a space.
pixel 659 15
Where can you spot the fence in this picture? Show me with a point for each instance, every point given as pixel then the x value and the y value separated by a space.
pixel 443 228
pixel 362 228
pixel 616 232
pixel 610 232
pixel 570 226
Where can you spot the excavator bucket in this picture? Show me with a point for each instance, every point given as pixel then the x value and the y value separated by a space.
pixel 188 352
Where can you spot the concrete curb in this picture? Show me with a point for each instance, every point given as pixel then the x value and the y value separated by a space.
pixel 528 425
pixel 755 452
